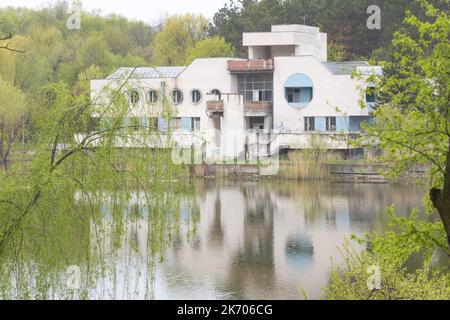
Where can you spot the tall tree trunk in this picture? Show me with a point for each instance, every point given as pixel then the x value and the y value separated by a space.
pixel 441 198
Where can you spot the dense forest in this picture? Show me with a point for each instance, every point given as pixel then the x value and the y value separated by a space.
pixel 345 21
pixel 55 53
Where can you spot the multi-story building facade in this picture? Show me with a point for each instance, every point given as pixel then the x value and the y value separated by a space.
pixel 286 92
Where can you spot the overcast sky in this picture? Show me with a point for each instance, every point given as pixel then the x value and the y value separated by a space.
pixel 147 10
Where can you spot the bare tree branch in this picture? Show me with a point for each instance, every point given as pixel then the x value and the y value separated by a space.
pixel 6 47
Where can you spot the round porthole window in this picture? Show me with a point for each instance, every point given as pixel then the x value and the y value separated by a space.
pixel 196 96
pixel 134 97
pixel 177 96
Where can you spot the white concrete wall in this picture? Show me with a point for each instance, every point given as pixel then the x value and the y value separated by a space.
pixel 283 51
pixel 203 74
pixel 330 92
pixel 307 40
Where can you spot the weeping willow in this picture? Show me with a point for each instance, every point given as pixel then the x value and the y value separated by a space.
pixel 91 197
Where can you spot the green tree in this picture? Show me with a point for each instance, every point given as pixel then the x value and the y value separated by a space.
pixel 387 256
pixel 209 48
pixel 343 20
pixel 412 122
pixel 5 43
pixel 412 127
pixel 241 16
pixel 50 206
pixel 178 35
pixel 12 114
pixel 54 53
pixel 336 52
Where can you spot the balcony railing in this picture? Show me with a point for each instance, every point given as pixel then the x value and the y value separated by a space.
pixel 257 107
pixel 257 65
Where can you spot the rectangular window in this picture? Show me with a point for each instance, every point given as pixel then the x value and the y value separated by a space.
pixel 310 124
pixel 299 95
pixel 257 123
pixel 330 123
pixel 163 125
pixel 175 124
pixel 256 87
pixel 195 124
pixel 186 124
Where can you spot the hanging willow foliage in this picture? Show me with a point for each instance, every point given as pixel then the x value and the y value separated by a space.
pixel 88 200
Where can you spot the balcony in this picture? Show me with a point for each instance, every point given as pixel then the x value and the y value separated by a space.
pixel 257 108
pixel 257 65
pixel 215 107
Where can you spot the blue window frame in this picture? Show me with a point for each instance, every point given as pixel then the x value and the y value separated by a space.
pixel 299 90
pixel 299 95
pixel 163 125
pixel 310 124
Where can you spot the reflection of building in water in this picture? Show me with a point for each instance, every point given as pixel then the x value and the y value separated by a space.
pixel 269 241
pixel 253 263
pixel 216 233
pixel 257 240
pixel 299 251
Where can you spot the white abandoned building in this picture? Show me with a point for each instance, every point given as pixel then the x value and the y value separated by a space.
pixel 284 94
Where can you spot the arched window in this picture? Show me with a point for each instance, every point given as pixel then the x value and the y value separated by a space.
pixel 134 97
pixel 299 90
pixel 196 96
pixel 153 96
pixel 177 96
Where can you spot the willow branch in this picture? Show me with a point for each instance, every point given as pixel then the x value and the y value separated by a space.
pixel 8 37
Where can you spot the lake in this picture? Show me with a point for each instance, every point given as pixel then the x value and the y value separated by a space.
pixel 256 240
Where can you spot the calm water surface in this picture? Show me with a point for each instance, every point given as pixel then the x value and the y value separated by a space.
pixel 266 240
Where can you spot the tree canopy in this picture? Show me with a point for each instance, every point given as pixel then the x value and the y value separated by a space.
pixel 345 21
pixel 209 48
pixel 178 35
pixel 412 122
pixel 54 53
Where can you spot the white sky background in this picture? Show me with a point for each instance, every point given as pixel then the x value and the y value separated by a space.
pixel 150 11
